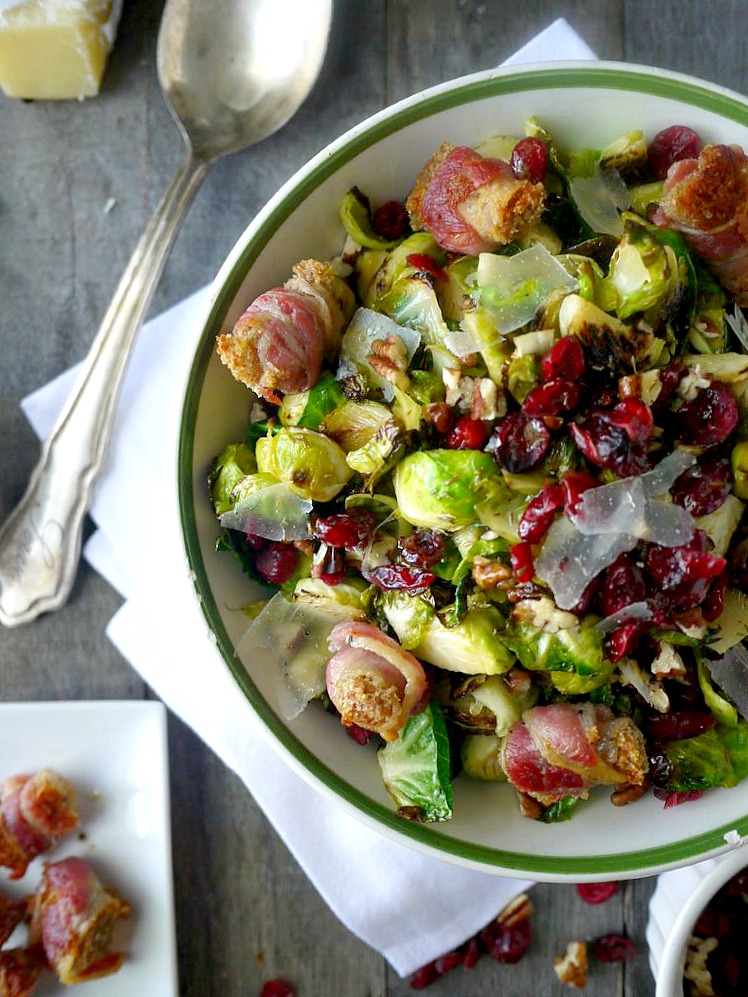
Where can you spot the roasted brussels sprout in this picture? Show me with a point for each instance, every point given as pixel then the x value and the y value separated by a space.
pixel 313 465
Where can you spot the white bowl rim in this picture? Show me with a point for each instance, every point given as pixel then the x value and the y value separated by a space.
pixel 672 962
pixel 585 73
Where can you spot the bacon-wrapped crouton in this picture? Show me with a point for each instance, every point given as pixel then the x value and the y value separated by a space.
pixel 20 970
pixel 472 204
pixel 706 199
pixel 12 912
pixel 34 811
pixel 74 918
pixel 279 344
pixel 372 681
pixel 564 749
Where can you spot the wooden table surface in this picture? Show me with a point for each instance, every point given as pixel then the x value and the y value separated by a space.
pixel 245 911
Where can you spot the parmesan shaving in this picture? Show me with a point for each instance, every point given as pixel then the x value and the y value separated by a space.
pixel 611 520
pixel 634 611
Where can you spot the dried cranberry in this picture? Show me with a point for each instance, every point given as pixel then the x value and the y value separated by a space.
pixel 565 359
pixel 359 734
pixel 529 160
pixel 277 988
pixel 449 961
pixel 674 799
pixel 613 948
pixel 597 893
pixel 670 377
pixel 391 220
pixel 520 556
pixel 588 595
pixel 575 484
pixel 424 976
pixel 400 577
pixel 552 398
pixel 684 573
pixel 608 445
pixel 623 584
pixel 710 417
pixel 712 923
pixel 678 724
pixel 705 486
pixel 714 604
pixel 345 529
pixel 540 512
pixel 471 953
pixel 423 549
pixel 506 944
pixel 635 418
pixel 468 434
pixel 276 562
pixel 519 442
pixel 670 146
pixel 426 264
pixel 624 640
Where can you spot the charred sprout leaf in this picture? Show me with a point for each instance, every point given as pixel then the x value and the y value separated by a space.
pixel 309 408
pixel 411 302
pixel 236 461
pixel 578 649
pixel 355 214
pixel 647 274
pixel 561 810
pixel 456 611
pixel 353 424
pixel 522 375
pixel 377 271
pixel 416 767
pixel 470 647
pixel 718 757
pixel 454 293
pixel 611 345
pixel 480 755
pixel 627 154
pixel 645 196
pixel 426 387
pixel 313 465
pixel 342 601
pixel 708 329
pixel 721 708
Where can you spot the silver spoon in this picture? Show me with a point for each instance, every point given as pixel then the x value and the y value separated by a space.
pixel 233 72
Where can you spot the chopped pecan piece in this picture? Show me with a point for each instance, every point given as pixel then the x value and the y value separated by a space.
pixel 389 358
pixel 571 967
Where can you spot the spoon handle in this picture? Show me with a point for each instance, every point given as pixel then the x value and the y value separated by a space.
pixel 41 540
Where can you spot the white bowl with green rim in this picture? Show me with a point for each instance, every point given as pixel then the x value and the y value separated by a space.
pixel 584 105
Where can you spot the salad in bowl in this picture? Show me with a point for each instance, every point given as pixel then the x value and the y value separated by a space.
pixel 437 432
pixel 495 468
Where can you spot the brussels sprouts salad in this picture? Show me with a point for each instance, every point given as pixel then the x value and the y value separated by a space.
pixel 495 472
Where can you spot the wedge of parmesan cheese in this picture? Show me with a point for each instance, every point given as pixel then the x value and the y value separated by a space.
pixel 55 49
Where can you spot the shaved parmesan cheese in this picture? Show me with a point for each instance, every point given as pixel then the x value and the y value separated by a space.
pixel 514 287
pixel 611 520
pixel 634 611
pixel 629 506
pixel 274 512
pixel 600 199
pixel 569 560
pixel 648 688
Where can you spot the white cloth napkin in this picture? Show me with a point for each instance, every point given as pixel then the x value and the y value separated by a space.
pixel 415 905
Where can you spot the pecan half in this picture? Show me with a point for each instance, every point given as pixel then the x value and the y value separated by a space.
pixel 571 967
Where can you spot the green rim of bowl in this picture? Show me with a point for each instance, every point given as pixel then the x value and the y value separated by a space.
pixel 636 79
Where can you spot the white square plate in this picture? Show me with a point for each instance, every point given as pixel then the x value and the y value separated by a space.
pixel 115 755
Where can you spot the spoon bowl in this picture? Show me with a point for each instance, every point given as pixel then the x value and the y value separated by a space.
pixel 232 72
pixel 235 72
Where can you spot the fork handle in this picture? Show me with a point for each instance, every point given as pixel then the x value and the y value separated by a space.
pixel 40 542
